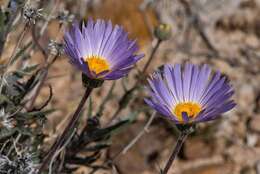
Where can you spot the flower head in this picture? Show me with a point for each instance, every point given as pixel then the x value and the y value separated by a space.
pixel 100 50
pixel 189 95
pixel 31 14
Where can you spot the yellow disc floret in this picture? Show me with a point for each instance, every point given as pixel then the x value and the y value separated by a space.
pixel 191 109
pixel 97 64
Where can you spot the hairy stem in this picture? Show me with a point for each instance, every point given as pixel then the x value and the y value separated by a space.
pixel 131 90
pixel 155 48
pixel 21 37
pixel 44 75
pixel 71 125
pixel 196 22
pixel 36 41
pixel 182 137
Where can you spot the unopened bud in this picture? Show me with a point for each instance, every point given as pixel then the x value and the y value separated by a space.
pixel 163 32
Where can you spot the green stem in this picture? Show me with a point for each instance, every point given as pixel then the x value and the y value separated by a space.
pixel 125 99
pixel 71 125
pixel 182 137
pixel 155 48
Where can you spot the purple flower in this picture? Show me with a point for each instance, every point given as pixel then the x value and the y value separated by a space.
pixel 190 95
pixel 100 50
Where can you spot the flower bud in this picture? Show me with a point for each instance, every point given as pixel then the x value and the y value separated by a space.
pixel 163 32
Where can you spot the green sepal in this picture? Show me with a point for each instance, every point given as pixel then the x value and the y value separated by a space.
pixel 91 83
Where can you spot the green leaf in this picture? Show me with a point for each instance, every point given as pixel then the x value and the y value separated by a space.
pixel 33 114
pixel 4 99
pixel 90 107
pixel 2 21
pixel 20 53
pixel 25 131
pixel 4 132
pixel 31 82
pixel 31 68
pixel 111 129
pixel 27 70
pixel 131 117
pixel 95 148
pixel 124 85
pixel 106 99
pixel 13 87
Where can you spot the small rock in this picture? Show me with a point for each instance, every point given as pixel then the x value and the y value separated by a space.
pixel 246 98
pixel 196 148
pixel 257 167
pixel 247 170
pixel 251 140
pixel 212 169
pixel 252 41
pixel 254 123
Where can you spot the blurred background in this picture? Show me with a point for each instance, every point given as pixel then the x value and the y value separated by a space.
pixel 222 33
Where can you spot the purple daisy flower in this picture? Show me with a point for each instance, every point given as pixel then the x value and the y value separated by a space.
pixel 100 50
pixel 191 95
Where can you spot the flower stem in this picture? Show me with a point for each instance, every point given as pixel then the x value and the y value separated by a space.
pixel 11 59
pixel 182 137
pixel 155 48
pixel 124 99
pixel 71 125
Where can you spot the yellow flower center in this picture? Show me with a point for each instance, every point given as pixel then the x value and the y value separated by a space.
pixel 97 64
pixel 191 109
